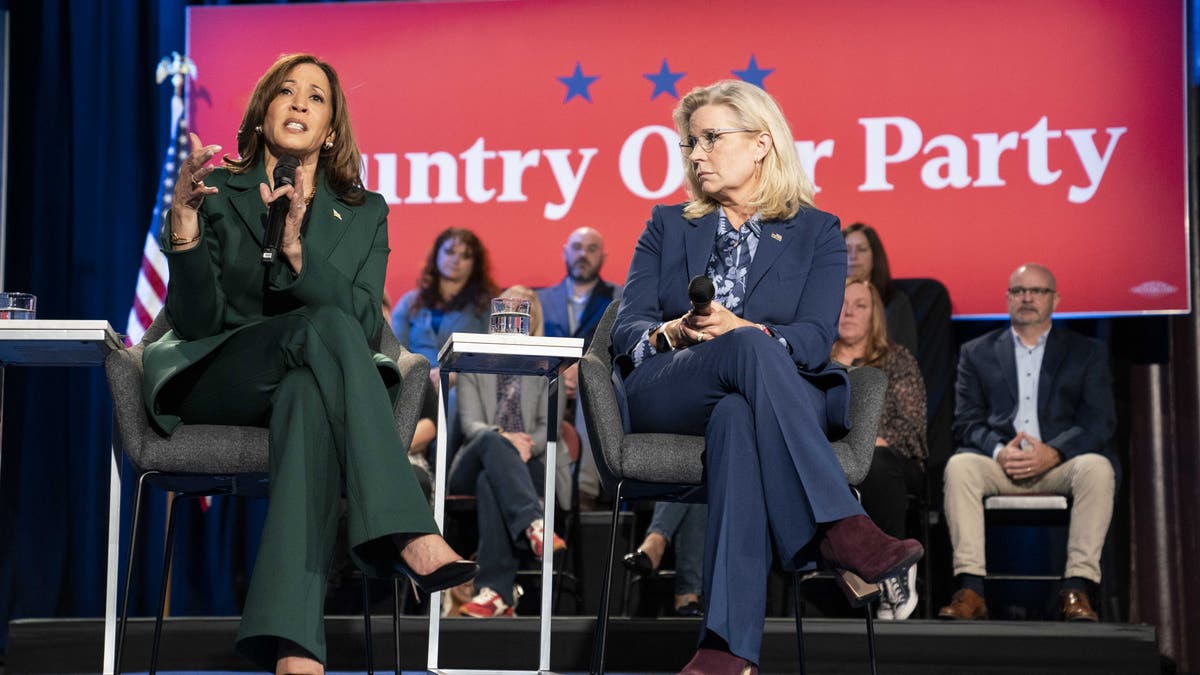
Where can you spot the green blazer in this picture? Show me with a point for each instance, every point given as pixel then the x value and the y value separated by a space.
pixel 220 286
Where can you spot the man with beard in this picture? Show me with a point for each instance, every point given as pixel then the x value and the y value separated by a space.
pixel 1034 415
pixel 572 308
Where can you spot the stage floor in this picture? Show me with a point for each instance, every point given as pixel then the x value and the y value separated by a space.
pixel 635 646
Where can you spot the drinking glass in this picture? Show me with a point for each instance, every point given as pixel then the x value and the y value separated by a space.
pixel 510 316
pixel 18 305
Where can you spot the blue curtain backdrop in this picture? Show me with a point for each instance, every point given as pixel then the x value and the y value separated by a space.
pixel 88 129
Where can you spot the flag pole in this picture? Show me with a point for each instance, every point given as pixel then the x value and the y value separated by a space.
pixel 178 68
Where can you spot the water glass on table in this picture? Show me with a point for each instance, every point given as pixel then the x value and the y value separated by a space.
pixel 510 316
pixel 17 305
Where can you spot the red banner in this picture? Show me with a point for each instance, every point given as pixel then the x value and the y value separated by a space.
pixel 973 136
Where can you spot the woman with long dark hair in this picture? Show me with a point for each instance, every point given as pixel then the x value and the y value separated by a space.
pixel 293 347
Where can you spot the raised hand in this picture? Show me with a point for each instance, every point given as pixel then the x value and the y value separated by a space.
pixel 190 192
pixel 190 189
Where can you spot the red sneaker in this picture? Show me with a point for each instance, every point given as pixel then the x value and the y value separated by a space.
pixel 536 534
pixel 486 605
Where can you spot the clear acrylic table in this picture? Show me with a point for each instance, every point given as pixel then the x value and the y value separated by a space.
pixel 516 355
pixel 54 342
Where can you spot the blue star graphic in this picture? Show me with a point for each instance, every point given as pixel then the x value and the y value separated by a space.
pixel 578 83
pixel 753 74
pixel 664 81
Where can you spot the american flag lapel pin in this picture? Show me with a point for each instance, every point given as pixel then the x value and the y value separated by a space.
pixel 776 236
pixel 336 214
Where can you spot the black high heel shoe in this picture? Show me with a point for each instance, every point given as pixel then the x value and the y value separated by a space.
pixel 639 563
pixel 449 575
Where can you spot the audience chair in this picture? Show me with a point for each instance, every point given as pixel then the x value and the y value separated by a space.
pixel 668 467
pixel 203 460
pixel 1020 546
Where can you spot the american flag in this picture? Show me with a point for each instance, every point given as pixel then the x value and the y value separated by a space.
pixel 151 290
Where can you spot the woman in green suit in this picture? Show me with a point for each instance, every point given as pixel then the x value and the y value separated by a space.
pixel 293 347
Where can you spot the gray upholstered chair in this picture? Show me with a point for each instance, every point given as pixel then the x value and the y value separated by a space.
pixel 205 460
pixel 668 467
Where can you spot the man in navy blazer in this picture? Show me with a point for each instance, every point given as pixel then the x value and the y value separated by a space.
pixel 1034 414
pixel 572 308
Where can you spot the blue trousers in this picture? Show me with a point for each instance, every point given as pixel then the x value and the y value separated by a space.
pixel 771 473
pixel 682 525
pixel 507 499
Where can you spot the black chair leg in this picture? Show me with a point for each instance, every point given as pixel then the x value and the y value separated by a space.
pixel 602 618
pixel 397 599
pixel 798 606
pixel 927 562
pixel 133 532
pixel 366 593
pixel 870 635
pixel 168 550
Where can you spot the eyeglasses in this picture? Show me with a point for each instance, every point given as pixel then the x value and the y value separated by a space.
pixel 1018 291
pixel 708 139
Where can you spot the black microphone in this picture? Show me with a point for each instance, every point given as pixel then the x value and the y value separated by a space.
pixel 701 292
pixel 284 174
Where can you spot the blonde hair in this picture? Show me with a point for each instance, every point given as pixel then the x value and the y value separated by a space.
pixel 783 187
pixel 877 337
pixel 536 324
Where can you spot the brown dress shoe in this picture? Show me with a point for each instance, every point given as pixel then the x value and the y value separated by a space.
pixel 965 605
pixel 1075 606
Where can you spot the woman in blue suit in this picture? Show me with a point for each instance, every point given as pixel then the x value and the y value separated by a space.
pixel 751 374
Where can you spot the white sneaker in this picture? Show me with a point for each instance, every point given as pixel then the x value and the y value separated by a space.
pixel 885 612
pixel 899 593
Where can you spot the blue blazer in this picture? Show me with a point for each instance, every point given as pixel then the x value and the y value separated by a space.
pixel 554 309
pixel 1076 412
pixel 795 288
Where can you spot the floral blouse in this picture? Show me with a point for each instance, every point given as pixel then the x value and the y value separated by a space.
pixel 903 422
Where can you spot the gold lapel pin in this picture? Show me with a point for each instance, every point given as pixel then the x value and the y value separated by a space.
pixel 336 214
pixel 776 236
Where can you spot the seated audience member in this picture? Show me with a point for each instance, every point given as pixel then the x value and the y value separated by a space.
pixel 682 525
pixel 503 464
pixel 453 295
pixel 866 260
pixel 1034 414
pixel 573 308
pixel 897 468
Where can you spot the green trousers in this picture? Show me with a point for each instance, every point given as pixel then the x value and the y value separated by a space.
pixel 308 376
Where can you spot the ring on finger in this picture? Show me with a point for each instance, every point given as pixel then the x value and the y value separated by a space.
pixel 703 336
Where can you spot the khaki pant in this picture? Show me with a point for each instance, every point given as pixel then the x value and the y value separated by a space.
pixel 1088 478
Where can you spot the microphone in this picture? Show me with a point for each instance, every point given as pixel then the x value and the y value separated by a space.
pixel 284 174
pixel 701 292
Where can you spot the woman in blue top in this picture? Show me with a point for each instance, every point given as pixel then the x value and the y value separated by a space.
pixel 451 296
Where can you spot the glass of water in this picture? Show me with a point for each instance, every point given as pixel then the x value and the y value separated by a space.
pixel 18 305
pixel 510 316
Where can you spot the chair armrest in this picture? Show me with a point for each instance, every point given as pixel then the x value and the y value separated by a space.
pixel 123 369
pixel 856 449
pixel 414 378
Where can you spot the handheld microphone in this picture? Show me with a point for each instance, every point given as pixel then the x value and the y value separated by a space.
pixel 701 292
pixel 284 174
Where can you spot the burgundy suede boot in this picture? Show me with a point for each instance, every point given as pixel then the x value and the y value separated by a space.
pixel 858 545
pixel 708 661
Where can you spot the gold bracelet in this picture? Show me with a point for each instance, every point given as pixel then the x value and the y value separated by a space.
pixel 176 239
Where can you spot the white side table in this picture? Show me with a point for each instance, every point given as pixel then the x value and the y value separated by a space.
pixel 53 342
pixel 516 355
